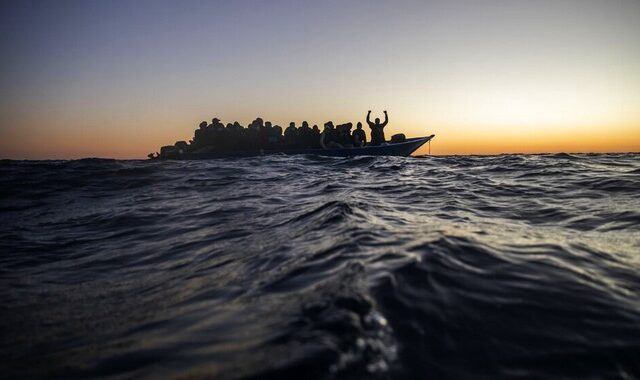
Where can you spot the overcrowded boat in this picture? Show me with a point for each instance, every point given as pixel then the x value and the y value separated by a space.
pixel 215 140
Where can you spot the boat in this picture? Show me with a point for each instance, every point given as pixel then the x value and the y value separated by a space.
pixel 403 149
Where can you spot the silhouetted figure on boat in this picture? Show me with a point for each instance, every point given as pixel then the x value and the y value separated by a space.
pixel 216 124
pixel 291 136
pixel 304 137
pixel 344 135
pixel 264 134
pixel 315 137
pixel 237 136
pixel 377 128
pixel 359 136
pixel 253 134
pixel 328 137
pixel 199 136
pixel 275 138
pixel 211 136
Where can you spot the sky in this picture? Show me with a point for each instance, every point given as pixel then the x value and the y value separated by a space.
pixel 121 78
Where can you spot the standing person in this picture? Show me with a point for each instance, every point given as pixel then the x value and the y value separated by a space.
pixel 359 137
pixel 377 128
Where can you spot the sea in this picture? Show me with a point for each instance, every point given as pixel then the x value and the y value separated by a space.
pixel 309 267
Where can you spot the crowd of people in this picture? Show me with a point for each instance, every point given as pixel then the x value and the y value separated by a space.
pixel 262 135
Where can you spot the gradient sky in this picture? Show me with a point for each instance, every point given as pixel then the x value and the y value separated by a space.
pixel 121 78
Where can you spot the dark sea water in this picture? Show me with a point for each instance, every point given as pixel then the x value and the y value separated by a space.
pixel 511 266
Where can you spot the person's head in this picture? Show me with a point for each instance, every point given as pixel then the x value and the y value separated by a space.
pixel 315 127
pixel 377 120
pixel 267 124
pixel 348 126
pixel 277 129
pixel 359 125
pixel 215 120
pixel 292 125
pixel 330 123
pixel 305 124
pixel 327 126
pixel 203 125
pixel 229 126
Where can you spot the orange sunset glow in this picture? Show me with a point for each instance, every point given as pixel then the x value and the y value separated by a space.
pixel 519 77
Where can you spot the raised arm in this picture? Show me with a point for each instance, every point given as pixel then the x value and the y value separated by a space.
pixel 369 119
pixel 386 119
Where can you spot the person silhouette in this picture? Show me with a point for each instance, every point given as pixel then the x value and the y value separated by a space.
pixel 328 137
pixel 377 128
pixel 290 135
pixel 359 137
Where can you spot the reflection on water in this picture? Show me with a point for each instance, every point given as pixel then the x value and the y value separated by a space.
pixel 446 267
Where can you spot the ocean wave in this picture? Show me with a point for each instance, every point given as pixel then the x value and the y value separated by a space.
pixel 366 267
